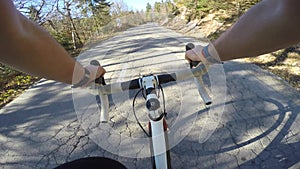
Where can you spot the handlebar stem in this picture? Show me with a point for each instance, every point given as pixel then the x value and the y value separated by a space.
pixel 149 85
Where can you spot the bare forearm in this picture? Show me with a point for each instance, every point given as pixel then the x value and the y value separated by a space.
pixel 36 52
pixel 268 26
pixel 27 47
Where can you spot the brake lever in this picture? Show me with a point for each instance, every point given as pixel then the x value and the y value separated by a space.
pixel 198 80
pixel 191 46
pixel 99 80
pixel 102 98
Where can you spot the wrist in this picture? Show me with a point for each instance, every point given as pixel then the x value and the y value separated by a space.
pixel 82 78
pixel 205 52
pixel 209 55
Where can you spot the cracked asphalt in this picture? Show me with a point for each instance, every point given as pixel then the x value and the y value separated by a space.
pixel 258 129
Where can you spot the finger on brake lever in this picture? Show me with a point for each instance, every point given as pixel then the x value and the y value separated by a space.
pixel 191 46
pixel 198 80
pixel 99 80
pixel 102 98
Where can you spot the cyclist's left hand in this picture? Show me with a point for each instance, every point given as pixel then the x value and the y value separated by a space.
pixel 95 72
pixel 91 72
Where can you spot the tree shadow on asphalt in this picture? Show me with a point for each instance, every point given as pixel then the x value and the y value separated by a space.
pixel 258 128
pixel 250 109
pixel 35 106
pixel 249 120
pixel 30 122
pixel 136 45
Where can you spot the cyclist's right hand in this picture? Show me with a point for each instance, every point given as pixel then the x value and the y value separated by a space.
pixel 202 54
pixel 195 54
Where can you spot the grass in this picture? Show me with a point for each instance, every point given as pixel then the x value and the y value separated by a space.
pixel 284 63
pixel 13 83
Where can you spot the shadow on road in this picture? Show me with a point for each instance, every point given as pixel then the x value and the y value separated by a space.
pixel 259 128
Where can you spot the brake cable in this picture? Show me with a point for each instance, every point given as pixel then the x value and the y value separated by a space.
pixel 133 107
pixel 137 120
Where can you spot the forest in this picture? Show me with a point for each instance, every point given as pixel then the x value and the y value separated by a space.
pixel 74 23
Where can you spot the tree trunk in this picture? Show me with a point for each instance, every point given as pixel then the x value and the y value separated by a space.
pixel 74 30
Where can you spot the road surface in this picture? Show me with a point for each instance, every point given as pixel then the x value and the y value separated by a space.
pixel 259 127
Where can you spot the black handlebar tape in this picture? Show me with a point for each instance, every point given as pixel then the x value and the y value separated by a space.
pixel 165 78
pixel 99 80
pixel 191 46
